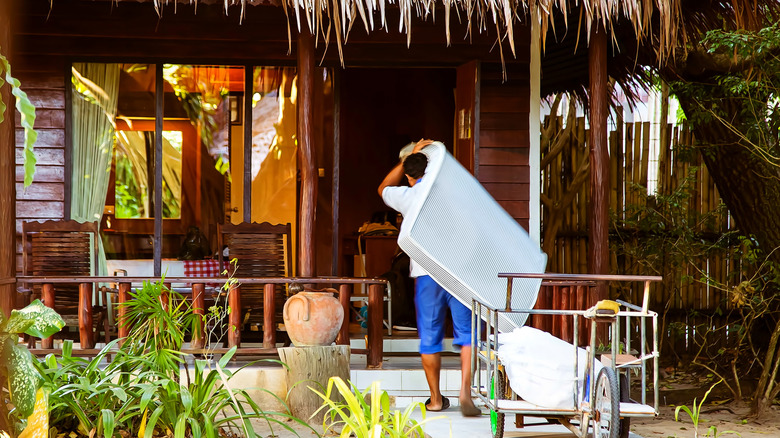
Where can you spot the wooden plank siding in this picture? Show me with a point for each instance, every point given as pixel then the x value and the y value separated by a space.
pixel 45 198
pixel 504 138
pixel 48 39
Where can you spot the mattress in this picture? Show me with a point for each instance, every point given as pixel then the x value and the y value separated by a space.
pixel 459 234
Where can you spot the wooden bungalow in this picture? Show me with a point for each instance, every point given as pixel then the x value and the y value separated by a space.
pixel 238 112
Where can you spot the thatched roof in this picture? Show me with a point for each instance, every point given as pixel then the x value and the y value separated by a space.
pixel 336 17
pixel 643 32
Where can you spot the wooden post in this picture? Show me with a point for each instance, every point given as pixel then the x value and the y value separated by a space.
pixel 198 308
pixel 582 303
pixel 165 297
pixel 159 114
pixel 234 318
pixel 555 327
pixel 86 331
pixel 124 330
pixel 312 367
pixel 47 294
pixel 306 152
pixel 345 291
pixel 375 313
pixel 7 174
pixel 269 315
pixel 566 327
pixel 599 159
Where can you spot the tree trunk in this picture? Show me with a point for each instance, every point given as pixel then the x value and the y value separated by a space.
pixel 749 185
pixel 312 367
pixel 765 390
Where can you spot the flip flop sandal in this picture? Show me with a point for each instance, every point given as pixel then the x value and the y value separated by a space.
pixel 445 404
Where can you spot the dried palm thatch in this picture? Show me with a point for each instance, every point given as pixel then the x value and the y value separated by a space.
pixel 336 17
pixel 664 38
pixel 667 26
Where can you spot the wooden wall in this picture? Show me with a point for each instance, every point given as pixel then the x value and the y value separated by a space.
pixel 45 198
pixel 502 160
pixel 48 38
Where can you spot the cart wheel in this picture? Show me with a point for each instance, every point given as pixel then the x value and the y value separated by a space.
pixel 497 390
pixel 625 422
pixel 606 405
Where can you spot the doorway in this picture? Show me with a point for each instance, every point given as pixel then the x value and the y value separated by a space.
pixel 381 110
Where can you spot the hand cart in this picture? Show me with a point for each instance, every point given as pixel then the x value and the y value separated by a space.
pixel 605 407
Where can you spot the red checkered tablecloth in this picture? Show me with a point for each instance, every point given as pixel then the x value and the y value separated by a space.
pixel 201 268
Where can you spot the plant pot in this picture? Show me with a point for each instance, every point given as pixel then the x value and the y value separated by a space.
pixel 313 318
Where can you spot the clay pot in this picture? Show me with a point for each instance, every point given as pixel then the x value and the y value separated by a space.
pixel 313 318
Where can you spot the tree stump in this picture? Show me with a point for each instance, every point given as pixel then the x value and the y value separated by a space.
pixel 312 367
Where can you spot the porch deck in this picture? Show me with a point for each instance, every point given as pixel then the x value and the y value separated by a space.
pixel 87 341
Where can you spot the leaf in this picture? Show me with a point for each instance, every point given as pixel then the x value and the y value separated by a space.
pixel 181 426
pixel 108 422
pixel 27 111
pixel 142 427
pixel 23 380
pixel 6 344
pixel 186 400
pixel 35 320
pixel 38 421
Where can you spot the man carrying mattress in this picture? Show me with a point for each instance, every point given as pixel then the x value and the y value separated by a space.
pixel 431 300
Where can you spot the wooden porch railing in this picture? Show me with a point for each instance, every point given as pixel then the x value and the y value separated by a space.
pixel 344 285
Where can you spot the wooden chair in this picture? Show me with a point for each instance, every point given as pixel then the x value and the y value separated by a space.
pixel 261 250
pixel 62 249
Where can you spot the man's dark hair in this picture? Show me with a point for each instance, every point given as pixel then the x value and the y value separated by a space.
pixel 415 164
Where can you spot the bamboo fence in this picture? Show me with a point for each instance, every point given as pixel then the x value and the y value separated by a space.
pixel 694 292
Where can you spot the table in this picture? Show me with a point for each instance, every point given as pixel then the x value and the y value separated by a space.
pixel 170 268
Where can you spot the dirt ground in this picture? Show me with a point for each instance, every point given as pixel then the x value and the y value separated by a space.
pixel 729 417
pixel 721 416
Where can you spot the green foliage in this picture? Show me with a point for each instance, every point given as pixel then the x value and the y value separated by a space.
pixel 213 320
pixel 27 111
pixel 17 369
pixel 663 236
pixel 360 418
pixel 131 196
pixel 694 413
pixel 159 318
pixel 746 96
pixel 87 394
pixel 201 99
pixel 147 389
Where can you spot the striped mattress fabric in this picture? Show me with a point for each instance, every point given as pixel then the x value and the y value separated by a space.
pixel 464 239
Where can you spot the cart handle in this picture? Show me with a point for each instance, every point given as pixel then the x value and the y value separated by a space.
pixel 581 277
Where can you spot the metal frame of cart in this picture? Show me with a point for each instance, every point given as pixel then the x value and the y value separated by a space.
pixel 611 408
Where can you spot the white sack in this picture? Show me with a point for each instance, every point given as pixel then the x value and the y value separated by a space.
pixel 540 367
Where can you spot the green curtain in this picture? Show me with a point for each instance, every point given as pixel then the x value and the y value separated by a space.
pixel 95 92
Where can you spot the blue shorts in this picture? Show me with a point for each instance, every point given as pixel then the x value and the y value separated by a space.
pixel 432 302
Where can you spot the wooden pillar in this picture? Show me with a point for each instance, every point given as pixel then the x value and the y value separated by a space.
pixel 566 327
pixel 269 315
pixel 198 308
pixel 557 320
pixel 234 318
pixel 47 294
pixel 306 152
pixel 165 296
pixel 345 291
pixel 375 311
pixel 124 329
pixel 159 108
pixel 598 257
pixel 86 330
pixel 7 173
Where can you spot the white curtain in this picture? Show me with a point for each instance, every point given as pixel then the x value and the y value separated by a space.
pixel 95 92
